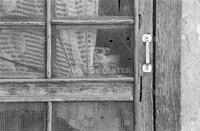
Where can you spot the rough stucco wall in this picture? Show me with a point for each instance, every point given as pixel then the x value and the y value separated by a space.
pixel 190 65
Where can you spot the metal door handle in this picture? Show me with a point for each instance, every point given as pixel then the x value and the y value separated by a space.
pixel 147 38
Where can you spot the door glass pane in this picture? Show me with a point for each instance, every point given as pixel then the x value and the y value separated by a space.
pixel 22 52
pixel 93 116
pixel 92 8
pixel 22 10
pixel 23 117
pixel 96 51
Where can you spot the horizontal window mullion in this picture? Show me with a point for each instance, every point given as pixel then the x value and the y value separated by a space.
pixel 66 98
pixel 93 91
pixel 93 26
pixel 71 22
pixel 73 80
pixel 94 22
pixel 22 23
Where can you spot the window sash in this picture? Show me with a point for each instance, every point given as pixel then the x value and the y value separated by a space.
pixel 106 21
pixel 49 23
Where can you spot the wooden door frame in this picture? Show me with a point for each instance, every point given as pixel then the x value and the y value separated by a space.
pixel 157 96
pixel 144 81
pixel 159 107
pixel 168 65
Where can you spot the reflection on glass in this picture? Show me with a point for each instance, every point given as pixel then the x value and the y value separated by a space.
pixel 113 53
pixel 22 117
pixel 22 53
pixel 93 53
pixel 92 8
pixel 94 116
pixel 22 9
pixel 116 7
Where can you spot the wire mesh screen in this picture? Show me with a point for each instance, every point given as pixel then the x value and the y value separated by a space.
pixel 93 116
pixel 23 117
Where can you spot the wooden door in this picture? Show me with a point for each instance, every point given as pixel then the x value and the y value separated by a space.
pixel 144 80
pixel 168 65
pixel 76 65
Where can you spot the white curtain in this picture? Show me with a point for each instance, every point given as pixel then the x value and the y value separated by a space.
pixel 75 47
pixel 22 49
pixel 22 53
pixel 22 8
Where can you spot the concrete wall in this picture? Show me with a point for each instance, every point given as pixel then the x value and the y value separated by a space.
pixel 190 65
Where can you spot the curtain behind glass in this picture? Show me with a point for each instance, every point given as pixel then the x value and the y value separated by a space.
pixel 75 47
pixel 22 49
pixel 22 9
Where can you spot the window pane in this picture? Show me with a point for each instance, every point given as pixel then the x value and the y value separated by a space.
pixel 22 52
pixel 22 117
pixel 22 10
pixel 93 8
pixel 93 116
pixel 104 51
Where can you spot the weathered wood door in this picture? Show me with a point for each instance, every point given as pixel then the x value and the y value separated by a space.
pixel 168 65
pixel 144 80
pixel 76 65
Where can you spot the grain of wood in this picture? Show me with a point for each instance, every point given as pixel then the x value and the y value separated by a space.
pixel 168 43
pixel 74 80
pixel 143 93
pixel 66 92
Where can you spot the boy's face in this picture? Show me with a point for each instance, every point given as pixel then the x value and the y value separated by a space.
pixel 105 62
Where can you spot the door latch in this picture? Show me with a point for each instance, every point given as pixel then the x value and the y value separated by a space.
pixel 147 67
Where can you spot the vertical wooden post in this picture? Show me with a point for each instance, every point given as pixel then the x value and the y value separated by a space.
pixel 168 52
pixel 48 27
pixel 144 81
pixel 48 22
pixel 49 117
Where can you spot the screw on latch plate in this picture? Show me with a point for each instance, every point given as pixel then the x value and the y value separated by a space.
pixel 147 38
pixel 147 68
